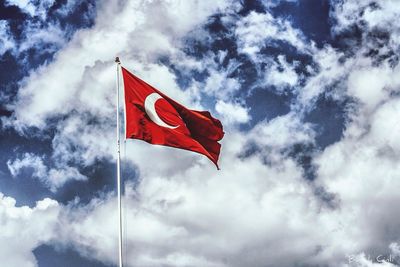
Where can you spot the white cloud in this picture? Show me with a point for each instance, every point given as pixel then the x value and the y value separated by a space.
pixel 377 22
pixel 232 112
pixel 69 6
pixel 6 39
pixel 367 85
pixel 282 74
pixel 381 14
pixel 28 160
pixel 237 216
pixel 203 217
pixel 274 3
pixel 282 132
pixel 37 36
pixel 53 178
pixel 31 7
pixel 220 85
pixel 329 76
pixel 372 85
pixel 256 30
pixel 23 229
pixel 44 36
pixel 24 5
pixel 362 170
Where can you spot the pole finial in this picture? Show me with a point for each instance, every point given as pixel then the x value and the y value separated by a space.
pixel 117 60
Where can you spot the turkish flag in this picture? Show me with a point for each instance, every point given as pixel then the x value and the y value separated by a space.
pixel 157 119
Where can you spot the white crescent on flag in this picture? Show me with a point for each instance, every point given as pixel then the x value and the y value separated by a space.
pixel 149 106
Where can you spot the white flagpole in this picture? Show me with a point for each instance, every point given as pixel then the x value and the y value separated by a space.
pixel 119 172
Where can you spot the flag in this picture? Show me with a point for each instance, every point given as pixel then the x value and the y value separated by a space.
pixel 155 118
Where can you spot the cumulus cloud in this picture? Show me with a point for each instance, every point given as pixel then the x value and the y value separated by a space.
pixel 375 14
pixel 282 132
pixel 376 23
pixel 220 84
pixel 361 168
pixel 329 76
pixel 274 3
pixel 265 206
pixel 170 223
pixel 256 30
pixel 232 112
pixel 53 178
pixel 282 74
pixel 24 228
pixel 44 30
pixel 31 7
pixel 48 38
pixel 6 40
pixel 68 7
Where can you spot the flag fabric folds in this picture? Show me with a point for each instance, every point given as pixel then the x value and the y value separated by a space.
pixel 157 119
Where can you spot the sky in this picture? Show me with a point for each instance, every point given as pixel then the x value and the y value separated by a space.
pixel 308 92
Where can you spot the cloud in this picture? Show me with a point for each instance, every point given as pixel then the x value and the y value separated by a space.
pixel 256 30
pixel 375 14
pixel 32 8
pixel 274 3
pixel 219 83
pixel 53 178
pixel 376 23
pixel 282 74
pixel 6 39
pixel 23 229
pixel 361 171
pixel 329 71
pixel 282 132
pixel 49 38
pixel 232 112
pixel 361 168
pixel 69 7
pixel 238 216
pixel 200 217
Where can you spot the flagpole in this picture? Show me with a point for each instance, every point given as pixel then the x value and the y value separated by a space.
pixel 119 173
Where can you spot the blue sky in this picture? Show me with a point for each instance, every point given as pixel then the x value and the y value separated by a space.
pixel 307 91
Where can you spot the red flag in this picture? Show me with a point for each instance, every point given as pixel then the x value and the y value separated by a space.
pixel 157 119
